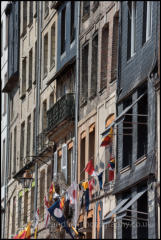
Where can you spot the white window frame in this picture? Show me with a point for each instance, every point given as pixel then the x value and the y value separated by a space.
pixel 149 21
pixel 133 28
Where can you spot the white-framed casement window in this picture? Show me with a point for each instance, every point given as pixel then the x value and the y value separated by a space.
pixel 131 29
pixel 147 21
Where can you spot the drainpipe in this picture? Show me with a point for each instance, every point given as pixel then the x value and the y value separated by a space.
pixel 76 95
pixel 6 167
pixel 38 69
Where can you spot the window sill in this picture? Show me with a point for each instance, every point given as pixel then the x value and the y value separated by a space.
pixel 131 58
pixel 146 43
pixel 102 90
pixel 85 17
pixel 140 160
pixel 23 33
pixel 52 66
pixel 30 24
pixel 45 75
pixel 22 97
pixel 29 89
pixel 125 169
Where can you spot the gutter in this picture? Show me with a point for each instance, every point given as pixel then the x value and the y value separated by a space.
pixel 77 97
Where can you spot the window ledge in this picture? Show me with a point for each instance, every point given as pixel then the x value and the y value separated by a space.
pixel 30 24
pixel 23 95
pixel 140 160
pixel 83 103
pixel 85 17
pixel 29 89
pixel 131 58
pixel 125 169
pixel 52 66
pixel 23 33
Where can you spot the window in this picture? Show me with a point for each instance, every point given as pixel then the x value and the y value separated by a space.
pixel 24 16
pixel 49 178
pixel 94 65
pixel 24 76
pixel 85 53
pixel 44 112
pixel 46 6
pixel 34 126
pixel 11 108
pixel 30 69
pixel 95 5
pixel 1 39
pixel 131 38
pixel 8 223
pixel 51 99
pixel 82 159
pixel 69 164
pixel 14 216
pixel 5 103
pixel 147 21
pixel 142 206
pixel 72 29
pixel 114 48
pixel 104 56
pixel 6 30
pixel 63 22
pixel 3 163
pixel 35 61
pixel 127 134
pixel 45 54
pixel 25 206
pixel 32 203
pixel 89 226
pixel 19 210
pixel 22 144
pixel 59 162
pixel 15 145
pixel 92 143
pixel 31 13
pixel 142 130
pixel 52 59
pixel 126 222
pixel 42 193
pixel 86 8
pixel 28 136
pixel 109 230
pixel 10 161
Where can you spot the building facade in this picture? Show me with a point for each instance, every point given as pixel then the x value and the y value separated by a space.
pixel 136 138
pixel 4 107
pixel 97 97
pixel 110 52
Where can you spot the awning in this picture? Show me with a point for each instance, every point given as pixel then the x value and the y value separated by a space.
pixel 121 116
pixel 108 218
pixel 122 212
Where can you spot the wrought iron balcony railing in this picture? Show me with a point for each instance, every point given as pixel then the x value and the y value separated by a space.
pixel 62 110
pixel 42 142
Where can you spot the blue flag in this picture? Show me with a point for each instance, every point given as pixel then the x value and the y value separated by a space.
pixel 87 199
pixel 100 179
pixel 56 212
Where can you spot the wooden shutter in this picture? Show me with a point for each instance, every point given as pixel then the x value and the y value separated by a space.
pixel 64 161
pixel 73 163
pixel 55 163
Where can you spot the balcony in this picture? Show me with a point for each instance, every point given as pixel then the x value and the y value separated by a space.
pixel 43 144
pixel 61 113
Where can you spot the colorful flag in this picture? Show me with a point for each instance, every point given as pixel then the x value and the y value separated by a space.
pixel 90 169
pixel 85 185
pixel 91 185
pixel 111 174
pixel 107 139
pixel 73 192
pixel 47 214
pixel 87 199
pixel 28 231
pixel 100 179
pixel 57 213
pixel 51 191
pixel 62 202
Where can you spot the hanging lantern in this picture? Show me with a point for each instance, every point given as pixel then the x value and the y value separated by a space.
pixel 26 180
